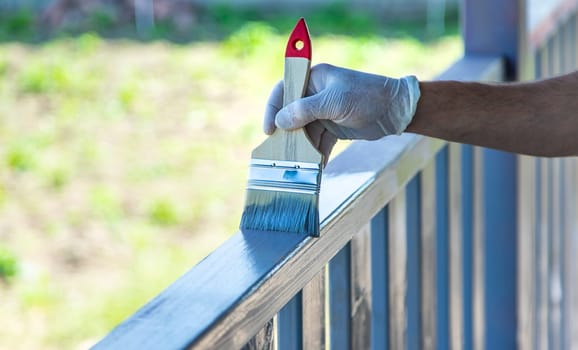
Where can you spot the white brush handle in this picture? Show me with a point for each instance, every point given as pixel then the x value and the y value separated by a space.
pixel 292 145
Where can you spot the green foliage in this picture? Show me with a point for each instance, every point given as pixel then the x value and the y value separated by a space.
pixel 40 292
pixel 58 178
pixel 102 17
pixel 18 24
pixel 128 94
pixel 8 264
pixel 105 203
pixel 45 77
pixel 3 195
pixel 88 43
pixel 58 75
pixel 249 39
pixel 163 212
pixel 3 67
pixel 20 157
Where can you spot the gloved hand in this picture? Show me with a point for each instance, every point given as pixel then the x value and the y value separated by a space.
pixel 345 104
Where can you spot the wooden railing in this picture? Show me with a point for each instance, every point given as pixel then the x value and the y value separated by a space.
pixel 548 238
pixel 423 245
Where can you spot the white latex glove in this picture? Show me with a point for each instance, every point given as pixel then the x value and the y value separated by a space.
pixel 345 104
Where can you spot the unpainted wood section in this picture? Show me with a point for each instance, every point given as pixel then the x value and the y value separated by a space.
pixel 397 272
pixel 571 247
pixel 526 283
pixel 263 340
pixel 428 257
pixel 564 202
pixel 543 258
pixel 456 272
pixel 569 256
pixel 478 284
pixel 568 252
pixel 264 270
pixel 555 50
pixel 555 283
pixel 542 340
pixel 379 281
pixel 361 304
pixel 291 145
pixel 314 313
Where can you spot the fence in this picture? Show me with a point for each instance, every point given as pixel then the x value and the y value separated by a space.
pixel 424 244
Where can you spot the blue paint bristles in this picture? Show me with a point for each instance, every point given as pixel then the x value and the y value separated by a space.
pixel 281 211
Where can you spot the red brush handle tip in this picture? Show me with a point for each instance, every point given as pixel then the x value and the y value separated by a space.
pixel 299 44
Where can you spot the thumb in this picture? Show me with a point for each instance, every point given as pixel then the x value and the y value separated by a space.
pixel 299 113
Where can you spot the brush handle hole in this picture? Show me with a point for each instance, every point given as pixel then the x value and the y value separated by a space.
pixel 298 45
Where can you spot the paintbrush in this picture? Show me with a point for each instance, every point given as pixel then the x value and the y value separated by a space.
pixel 285 170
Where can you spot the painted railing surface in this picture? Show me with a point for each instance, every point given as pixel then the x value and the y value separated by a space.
pixel 423 245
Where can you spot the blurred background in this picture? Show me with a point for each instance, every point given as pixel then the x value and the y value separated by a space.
pixel 126 129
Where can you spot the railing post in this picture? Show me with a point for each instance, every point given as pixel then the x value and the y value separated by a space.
pixel 497 27
pixel 442 248
pixel 379 278
pixel 339 299
pixel 413 255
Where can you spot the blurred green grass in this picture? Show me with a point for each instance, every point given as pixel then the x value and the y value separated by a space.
pixel 123 163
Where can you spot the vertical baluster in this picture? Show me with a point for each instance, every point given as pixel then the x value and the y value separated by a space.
pixel 573 46
pixel 428 258
pixel 442 249
pixel 566 203
pixel 563 202
pixel 361 289
pixel 571 247
pixel 314 313
pixel 562 52
pixel 543 257
pixel 567 38
pixel 537 251
pixel 543 69
pixel 500 249
pixel 467 236
pixel 554 282
pixel 557 50
pixel 412 198
pixel 526 246
pixel 339 299
pixel 455 249
pixel 397 272
pixel 379 281
pixel 478 284
pixel 553 61
pixel 555 268
pixel 538 64
pixel 289 325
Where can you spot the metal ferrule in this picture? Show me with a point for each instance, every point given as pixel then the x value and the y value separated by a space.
pixel 284 176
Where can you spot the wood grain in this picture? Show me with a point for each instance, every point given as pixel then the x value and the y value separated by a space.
pixel 314 313
pixel 428 258
pixel 291 145
pixel 361 289
pixel 397 272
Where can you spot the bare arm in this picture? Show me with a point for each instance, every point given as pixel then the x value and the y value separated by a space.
pixel 538 118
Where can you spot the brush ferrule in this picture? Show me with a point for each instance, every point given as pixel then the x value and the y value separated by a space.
pixel 284 176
